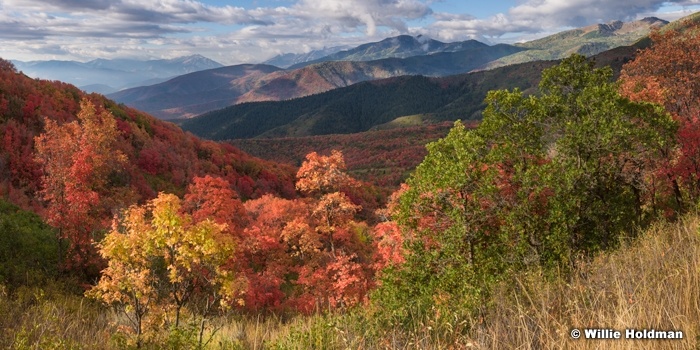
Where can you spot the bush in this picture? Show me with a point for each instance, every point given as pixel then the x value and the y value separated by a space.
pixel 542 181
pixel 29 249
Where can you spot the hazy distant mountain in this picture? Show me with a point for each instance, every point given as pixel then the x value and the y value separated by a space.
pixel 587 41
pixel 410 56
pixel 209 90
pixel 102 75
pixel 160 68
pixel 288 59
pixel 191 94
pixel 99 88
pixel 324 76
pixel 402 46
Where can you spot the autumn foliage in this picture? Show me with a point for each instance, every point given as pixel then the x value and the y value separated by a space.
pixel 544 181
pixel 321 175
pixel 309 254
pixel 211 251
pixel 668 73
pixel 98 173
pixel 161 261
pixel 78 159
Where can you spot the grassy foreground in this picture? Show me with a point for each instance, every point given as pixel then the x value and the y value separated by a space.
pixel 652 281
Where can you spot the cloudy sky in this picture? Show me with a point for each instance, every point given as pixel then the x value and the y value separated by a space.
pixel 239 31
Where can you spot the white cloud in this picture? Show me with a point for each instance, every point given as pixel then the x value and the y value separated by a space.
pixel 363 13
pixel 544 16
pixel 87 29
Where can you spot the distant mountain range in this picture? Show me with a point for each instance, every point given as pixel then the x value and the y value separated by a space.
pixel 194 85
pixel 402 46
pixel 289 59
pixel 392 57
pixel 174 100
pixel 586 41
pixel 107 76
pixel 380 104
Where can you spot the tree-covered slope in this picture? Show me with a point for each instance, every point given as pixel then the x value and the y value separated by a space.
pixel 159 155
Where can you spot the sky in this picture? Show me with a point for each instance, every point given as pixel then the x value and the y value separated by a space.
pixel 251 31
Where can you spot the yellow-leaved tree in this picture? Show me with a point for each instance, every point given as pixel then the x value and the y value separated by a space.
pixel 159 259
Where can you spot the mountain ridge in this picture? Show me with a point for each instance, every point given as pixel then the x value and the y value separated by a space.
pixel 404 55
pixel 120 73
pixel 312 79
pixel 215 88
pixel 285 60
pixel 402 46
pixel 587 41
pixel 370 104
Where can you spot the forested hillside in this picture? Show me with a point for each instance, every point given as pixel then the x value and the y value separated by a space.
pixel 381 157
pixel 159 156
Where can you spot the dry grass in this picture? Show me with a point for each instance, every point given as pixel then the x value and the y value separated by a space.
pixel 654 282
pixel 41 319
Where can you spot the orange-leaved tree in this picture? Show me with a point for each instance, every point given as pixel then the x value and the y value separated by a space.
pixel 388 239
pixel 304 253
pixel 323 174
pixel 341 273
pixel 278 240
pixel 213 198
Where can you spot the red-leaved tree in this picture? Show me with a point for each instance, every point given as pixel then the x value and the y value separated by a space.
pixel 78 158
pixel 668 73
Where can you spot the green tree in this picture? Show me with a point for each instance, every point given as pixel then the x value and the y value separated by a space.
pixel 543 179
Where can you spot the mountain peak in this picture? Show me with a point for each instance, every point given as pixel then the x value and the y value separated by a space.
pixel 643 25
pixel 401 46
pixel 190 57
pixel 653 20
pixel 614 28
pixel 197 62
